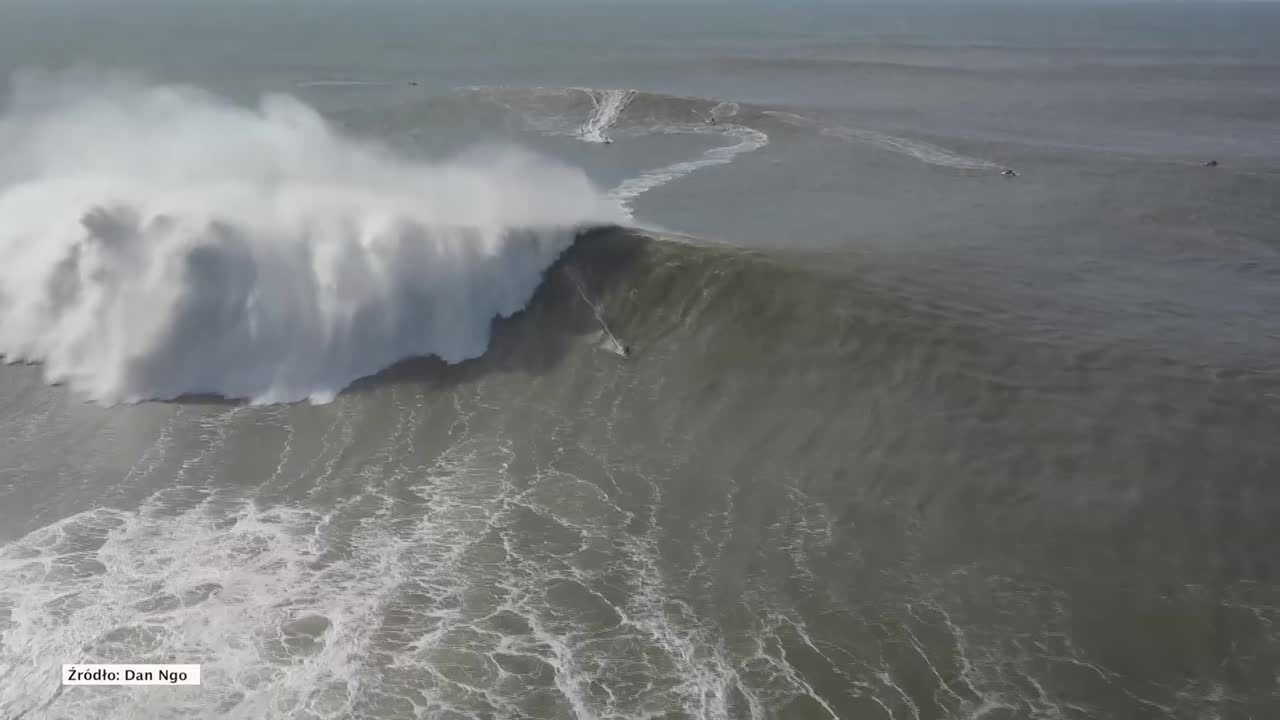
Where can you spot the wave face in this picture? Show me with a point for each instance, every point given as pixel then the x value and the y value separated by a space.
pixel 462 542
pixel 159 241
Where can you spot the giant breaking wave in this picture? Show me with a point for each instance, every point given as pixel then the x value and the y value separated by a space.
pixel 157 241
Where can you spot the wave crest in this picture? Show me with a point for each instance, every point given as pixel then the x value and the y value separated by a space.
pixel 158 241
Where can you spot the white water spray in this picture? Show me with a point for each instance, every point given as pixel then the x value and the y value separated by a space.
pixel 158 241
pixel 608 106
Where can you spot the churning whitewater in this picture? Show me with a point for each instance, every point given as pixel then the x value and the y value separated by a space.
pixel 160 241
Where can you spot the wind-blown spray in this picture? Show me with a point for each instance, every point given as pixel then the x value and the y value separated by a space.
pixel 157 241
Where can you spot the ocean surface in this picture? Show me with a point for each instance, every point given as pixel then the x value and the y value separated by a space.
pixel 641 360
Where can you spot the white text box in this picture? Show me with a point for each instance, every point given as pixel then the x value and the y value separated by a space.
pixel 130 674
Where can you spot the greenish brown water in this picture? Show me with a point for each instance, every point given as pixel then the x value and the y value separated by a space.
pixel 898 437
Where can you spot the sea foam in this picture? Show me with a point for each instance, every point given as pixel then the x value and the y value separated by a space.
pixel 157 241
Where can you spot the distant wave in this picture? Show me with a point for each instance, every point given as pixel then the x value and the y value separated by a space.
pixel 591 114
pixel 158 241
pixel 843 66
pixel 609 105
pixel 343 83
pixel 922 151
pixel 561 111
pixel 724 110
pixel 918 149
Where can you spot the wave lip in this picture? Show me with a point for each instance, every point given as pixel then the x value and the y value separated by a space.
pixel 160 242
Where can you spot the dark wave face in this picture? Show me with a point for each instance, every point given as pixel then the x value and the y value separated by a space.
pixel 814 488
